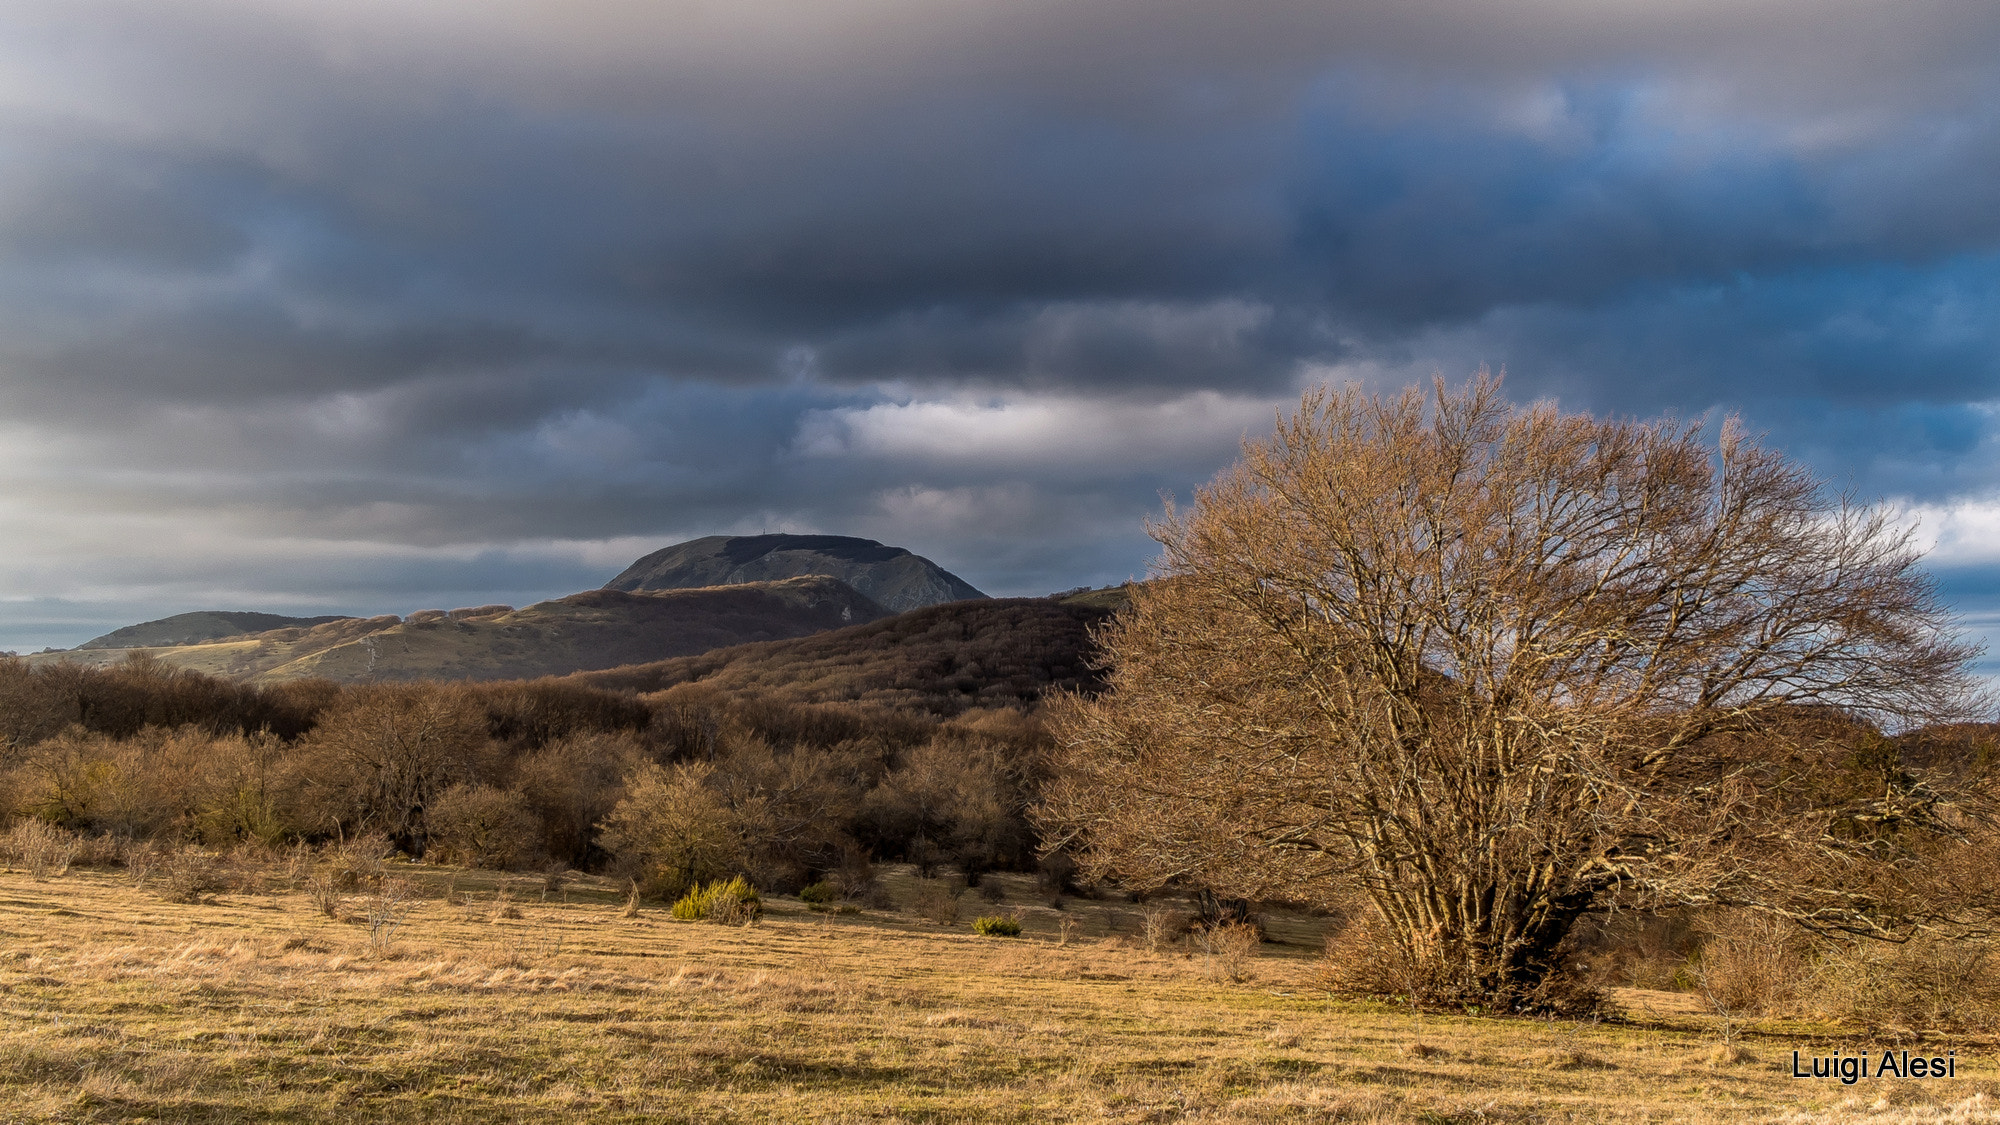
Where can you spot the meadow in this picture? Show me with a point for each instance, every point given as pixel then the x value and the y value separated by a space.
pixel 440 994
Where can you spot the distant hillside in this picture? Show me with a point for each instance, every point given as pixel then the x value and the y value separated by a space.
pixel 890 576
pixel 594 629
pixel 941 659
pixel 203 625
pixel 1112 598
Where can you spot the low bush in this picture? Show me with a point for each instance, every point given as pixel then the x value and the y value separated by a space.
pixel 356 863
pixel 1750 963
pixel 188 875
pixel 386 910
pixel 323 891
pixel 1228 949
pixel 1160 927
pixel 673 831
pixel 1363 959
pixel 40 848
pixel 731 902
pixel 1929 982
pixel 997 925
pixel 819 894
pixel 938 901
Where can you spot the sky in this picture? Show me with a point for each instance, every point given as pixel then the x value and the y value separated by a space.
pixel 365 306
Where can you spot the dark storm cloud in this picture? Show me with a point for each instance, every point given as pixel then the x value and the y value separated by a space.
pixel 388 208
pixel 490 292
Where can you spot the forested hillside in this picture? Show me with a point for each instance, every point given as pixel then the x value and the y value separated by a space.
pixel 941 661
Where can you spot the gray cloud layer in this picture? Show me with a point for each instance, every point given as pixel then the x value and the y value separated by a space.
pixel 371 306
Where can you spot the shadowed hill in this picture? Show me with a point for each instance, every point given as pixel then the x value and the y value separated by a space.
pixel 942 659
pixel 890 576
pixel 201 626
pixel 594 629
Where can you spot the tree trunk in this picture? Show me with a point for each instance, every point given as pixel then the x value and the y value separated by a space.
pixel 1493 947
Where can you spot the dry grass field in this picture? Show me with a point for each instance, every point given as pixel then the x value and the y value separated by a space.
pixel 483 997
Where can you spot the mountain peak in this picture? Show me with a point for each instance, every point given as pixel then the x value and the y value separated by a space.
pixel 891 576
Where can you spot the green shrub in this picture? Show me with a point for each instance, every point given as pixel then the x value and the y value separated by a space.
pixel 819 894
pixel 997 925
pixel 731 902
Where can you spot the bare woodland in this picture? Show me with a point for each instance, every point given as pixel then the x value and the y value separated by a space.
pixel 685 784
pixel 1473 672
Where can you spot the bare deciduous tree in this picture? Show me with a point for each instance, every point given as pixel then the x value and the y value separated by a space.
pixel 384 753
pixel 1490 668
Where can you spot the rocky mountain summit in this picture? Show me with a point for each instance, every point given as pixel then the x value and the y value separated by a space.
pixel 890 576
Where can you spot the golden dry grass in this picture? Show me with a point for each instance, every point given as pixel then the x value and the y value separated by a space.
pixel 116 1006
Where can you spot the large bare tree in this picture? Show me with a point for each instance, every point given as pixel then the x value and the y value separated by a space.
pixel 1490 668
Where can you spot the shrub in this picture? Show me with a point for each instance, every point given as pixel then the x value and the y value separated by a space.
pixel 571 786
pixel 323 888
pixel 40 848
pixel 1926 983
pixel 791 805
pixel 101 850
pixel 732 902
pixel 384 754
pixel 938 901
pixel 1750 963
pixel 187 875
pixel 357 861
pixel 1363 958
pixel 1161 927
pixel 140 862
pixel 386 911
pixel 819 894
pixel 997 925
pixel 1228 949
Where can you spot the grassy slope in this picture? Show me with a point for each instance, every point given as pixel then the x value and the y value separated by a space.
pixel 594 629
pixel 236 657
pixel 199 627
pixel 942 659
pixel 119 1007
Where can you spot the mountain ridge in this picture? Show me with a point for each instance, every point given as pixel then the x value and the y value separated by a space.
pixel 593 629
pixel 202 625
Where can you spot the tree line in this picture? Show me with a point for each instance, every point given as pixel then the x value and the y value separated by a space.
pixel 681 785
